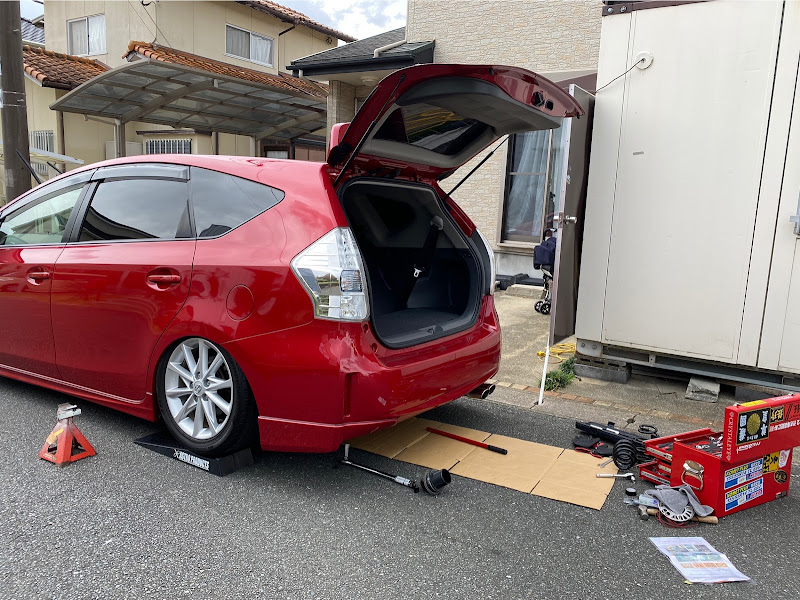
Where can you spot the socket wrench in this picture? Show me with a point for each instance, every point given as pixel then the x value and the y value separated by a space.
pixel 617 476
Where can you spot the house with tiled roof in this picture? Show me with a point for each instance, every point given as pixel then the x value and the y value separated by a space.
pixel 201 77
pixel 252 38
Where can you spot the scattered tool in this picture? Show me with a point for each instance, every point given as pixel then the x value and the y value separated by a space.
pixel 605 463
pixel 643 500
pixel 432 483
pixel 710 519
pixel 616 476
pixel 629 447
pixel 467 440
pixel 66 443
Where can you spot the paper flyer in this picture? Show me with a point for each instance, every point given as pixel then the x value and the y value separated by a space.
pixel 697 560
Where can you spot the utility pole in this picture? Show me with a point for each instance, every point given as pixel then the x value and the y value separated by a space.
pixel 15 115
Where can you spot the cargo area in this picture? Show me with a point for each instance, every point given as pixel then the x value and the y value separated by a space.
pixel 403 229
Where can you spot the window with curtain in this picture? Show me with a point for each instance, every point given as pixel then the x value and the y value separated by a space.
pixel 87 35
pixel 248 45
pixel 526 183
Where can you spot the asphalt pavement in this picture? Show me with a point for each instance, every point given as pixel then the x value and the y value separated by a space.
pixel 129 523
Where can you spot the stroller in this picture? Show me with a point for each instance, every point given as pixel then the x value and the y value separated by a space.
pixel 544 258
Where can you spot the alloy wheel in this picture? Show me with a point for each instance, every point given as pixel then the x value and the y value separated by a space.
pixel 198 386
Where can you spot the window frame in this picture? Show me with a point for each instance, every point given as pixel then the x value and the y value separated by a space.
pixel 502 240
pixel 150 171
pixel 88 38
pixel 251 33
pixel 191 204
pixel 43 195
pixel 128 172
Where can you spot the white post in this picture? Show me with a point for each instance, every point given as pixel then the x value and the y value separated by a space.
pixel 544 374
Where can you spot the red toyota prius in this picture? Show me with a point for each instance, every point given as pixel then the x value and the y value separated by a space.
pixel 303 303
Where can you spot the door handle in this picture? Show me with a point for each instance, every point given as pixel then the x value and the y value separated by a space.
pixel 154 278
pixel 163 278
pixel 560 219
pixel 38 275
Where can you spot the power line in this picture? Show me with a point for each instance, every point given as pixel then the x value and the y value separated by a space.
pixel 156 24
pixel 133 8
pixel 622 75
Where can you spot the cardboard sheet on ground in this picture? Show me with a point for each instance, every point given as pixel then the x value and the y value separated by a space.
pixel 520 469
pixel 528 467
pixel 573 478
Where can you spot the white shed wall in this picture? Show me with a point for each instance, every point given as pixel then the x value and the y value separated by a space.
pixel 670 261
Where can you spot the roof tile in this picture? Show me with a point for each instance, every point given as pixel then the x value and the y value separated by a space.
pixel 57 70
pixel 31 33
pixel 170 55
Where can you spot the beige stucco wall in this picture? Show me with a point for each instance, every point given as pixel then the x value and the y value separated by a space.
pixel 197 27
pixel 536 34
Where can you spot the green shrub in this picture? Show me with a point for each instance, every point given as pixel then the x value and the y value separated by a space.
pixel 560 377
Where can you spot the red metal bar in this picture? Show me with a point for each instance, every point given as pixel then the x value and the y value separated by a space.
pixel 468 441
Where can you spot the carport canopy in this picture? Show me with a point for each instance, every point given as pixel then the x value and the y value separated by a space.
pixel 150 90
pixel 44 157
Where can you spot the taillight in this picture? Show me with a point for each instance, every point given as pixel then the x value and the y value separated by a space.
pixel 332 272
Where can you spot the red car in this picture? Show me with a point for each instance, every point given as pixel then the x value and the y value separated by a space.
pixel 306 303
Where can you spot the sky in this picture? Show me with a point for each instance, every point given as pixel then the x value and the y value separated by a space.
pixel 358 18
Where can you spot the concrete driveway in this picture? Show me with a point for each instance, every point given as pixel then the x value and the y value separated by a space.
pixel 129 523
pixel 649 393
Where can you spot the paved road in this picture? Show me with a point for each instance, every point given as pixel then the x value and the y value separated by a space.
pixel 129 523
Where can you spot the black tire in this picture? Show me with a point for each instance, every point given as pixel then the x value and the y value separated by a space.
pixel 240 428
pixel 545 309
pixel 538 306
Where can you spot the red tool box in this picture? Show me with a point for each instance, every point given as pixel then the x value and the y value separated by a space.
pixel 747 464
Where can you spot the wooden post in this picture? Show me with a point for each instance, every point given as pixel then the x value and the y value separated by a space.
pixel 15 115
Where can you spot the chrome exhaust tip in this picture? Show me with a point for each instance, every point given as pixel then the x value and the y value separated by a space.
pixel 482 391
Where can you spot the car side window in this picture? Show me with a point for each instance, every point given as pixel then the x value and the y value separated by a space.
pixel 137 209
pixel 42 222
pixel 222 202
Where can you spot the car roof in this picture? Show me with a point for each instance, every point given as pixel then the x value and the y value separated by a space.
pixel 283 174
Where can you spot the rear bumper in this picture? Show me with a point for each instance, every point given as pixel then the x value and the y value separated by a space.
pixel 321 384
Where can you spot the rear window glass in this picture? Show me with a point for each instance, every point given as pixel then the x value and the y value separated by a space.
pixel 223 202
pixel 137 209
pixel 430 127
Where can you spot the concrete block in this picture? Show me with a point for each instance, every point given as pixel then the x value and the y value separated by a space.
pixel 602 369
pixel 524 291
pixel 703 390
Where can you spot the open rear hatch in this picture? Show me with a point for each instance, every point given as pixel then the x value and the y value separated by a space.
pixel 426 275
pixel 428 120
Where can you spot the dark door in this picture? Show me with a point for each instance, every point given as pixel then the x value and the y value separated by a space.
pixel 568 188
pixel 31 239
pixel 123 277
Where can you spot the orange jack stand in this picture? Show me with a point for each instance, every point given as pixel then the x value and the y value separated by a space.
pixel 66 443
